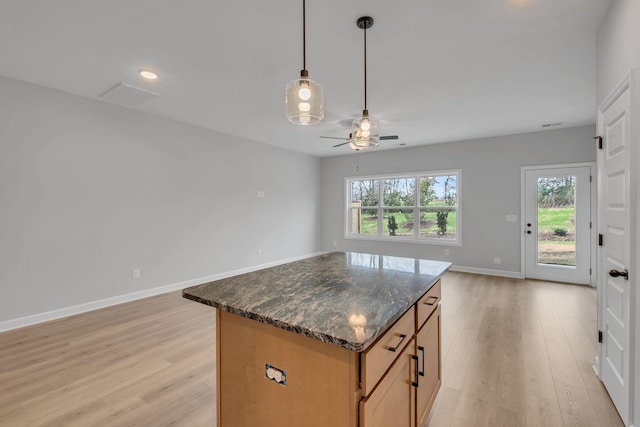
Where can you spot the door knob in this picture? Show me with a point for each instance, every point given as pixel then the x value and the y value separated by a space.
pixel 616 273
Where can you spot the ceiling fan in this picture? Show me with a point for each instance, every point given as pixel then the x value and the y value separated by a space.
pixel 349 139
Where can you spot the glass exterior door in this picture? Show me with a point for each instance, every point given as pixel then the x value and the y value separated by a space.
pixel 557 224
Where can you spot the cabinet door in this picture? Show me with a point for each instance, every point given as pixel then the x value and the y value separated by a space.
pixel 392 403
pixel 428 351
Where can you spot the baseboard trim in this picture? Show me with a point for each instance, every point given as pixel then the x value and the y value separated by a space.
pixel 488 272
pixel 33 319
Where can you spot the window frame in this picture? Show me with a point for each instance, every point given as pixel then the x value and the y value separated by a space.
pixel 416 208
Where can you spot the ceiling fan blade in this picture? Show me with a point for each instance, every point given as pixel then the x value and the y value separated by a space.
pixel 340 145
pixel 332 137
pixel 382 138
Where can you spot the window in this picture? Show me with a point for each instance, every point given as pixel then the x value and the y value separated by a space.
pixel 420 207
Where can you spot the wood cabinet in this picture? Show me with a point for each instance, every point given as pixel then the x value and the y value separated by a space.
pixel 405 394
pixel 393 401
pixel 429 366
pixel 377 359
pixel 321 386
pixel 393 383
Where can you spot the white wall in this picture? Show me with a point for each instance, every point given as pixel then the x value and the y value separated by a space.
pixel 90 190
pixel 618 51
pixel 490 191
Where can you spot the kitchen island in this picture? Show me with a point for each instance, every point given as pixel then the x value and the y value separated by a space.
pixel 341 339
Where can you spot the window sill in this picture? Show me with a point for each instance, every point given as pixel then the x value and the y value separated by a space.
pixel 401 239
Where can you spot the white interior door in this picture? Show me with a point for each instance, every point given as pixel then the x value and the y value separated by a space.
pixel 557 223
pixel 614 168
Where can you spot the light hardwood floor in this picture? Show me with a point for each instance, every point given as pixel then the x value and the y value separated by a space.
pixel 519 353
pixel 146 363
pixel 515 353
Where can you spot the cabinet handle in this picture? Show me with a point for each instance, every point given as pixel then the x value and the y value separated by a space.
pixel 421 350
pixel 431 300
pixel 416 384
pixel 393 349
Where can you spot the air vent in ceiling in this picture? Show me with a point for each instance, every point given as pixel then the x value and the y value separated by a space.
pixel 548 125
pixel 127 95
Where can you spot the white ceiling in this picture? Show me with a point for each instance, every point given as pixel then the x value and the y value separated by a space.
pixel 439 70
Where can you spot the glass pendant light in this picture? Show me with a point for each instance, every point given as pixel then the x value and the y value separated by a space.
pixel 365 129
pixel 304 99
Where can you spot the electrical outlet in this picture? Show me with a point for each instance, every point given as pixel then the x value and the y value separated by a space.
pixel 335 243
pixel 512 218
pixel 135 273
pixel 259 252
pixel 260 194
pixel 274 374
pixel 446 252
pixel 497 260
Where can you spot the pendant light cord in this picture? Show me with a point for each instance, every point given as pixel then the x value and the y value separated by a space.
pixel 365 67
pixel 304 34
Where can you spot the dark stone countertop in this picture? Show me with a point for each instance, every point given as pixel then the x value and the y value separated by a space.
pixel 346 299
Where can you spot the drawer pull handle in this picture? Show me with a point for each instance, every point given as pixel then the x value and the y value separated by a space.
pixel 416 384
pixel 421 350
pixel 431 300
pixel 402 337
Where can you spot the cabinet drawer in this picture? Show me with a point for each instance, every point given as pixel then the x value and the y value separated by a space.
pixel 393 402
pixel 377 359
pixel 427 304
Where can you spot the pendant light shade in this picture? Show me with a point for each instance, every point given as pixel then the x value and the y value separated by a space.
pixel 365 129
pixel 304 99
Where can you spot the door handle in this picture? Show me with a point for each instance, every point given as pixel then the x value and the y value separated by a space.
pixel 616 273
pixel 421 350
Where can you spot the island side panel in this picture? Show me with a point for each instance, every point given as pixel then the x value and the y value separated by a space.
pixel 322 385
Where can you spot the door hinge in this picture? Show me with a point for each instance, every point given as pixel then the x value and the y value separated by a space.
pixel 599 336
pixel 590 178
pixel 590 224
pixel 600 240
pixel 599 138
pixel 590 272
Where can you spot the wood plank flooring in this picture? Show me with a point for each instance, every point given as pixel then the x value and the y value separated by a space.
pixel 515 353
pixel 145 363
pixel 519 353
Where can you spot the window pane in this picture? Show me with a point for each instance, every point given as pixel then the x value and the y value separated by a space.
pixel 438 223
pixel 364 221
pixel 557 220
pixel 398 222
pixel 427 193
pixel 364 192
pixel 438 190
pixel 399 192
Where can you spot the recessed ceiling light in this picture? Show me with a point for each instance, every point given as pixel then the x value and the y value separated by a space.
pixel 148 74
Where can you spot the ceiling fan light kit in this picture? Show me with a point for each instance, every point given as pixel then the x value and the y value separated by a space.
pixel 304 99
